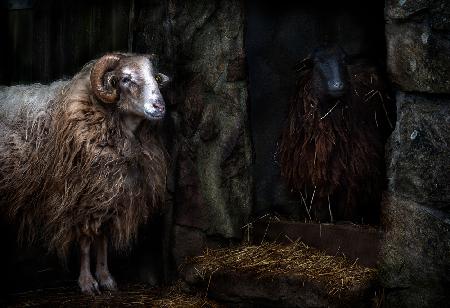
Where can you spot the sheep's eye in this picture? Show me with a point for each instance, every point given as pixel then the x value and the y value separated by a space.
pixel 126 79
pixel 158 79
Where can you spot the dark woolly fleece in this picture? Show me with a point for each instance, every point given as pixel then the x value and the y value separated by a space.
pixel 337 159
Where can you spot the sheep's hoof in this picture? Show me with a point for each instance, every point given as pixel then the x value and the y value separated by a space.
pixel 106 281
pixel 88 285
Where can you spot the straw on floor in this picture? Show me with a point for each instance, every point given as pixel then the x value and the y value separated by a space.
pixel 129 296
pixel 336 273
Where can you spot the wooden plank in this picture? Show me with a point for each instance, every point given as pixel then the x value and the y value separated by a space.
pixel 355 242
pixel 5 68
pixel 56 38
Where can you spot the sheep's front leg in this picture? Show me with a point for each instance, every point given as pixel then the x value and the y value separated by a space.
pixel 86 281
pixel 102 272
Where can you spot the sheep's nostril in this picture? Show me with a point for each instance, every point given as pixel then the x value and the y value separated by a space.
pixel 336 85
pixel 160 108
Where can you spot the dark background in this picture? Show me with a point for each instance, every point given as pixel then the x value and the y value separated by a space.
pixel 45 40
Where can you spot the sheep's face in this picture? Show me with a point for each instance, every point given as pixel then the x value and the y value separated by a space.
pixel 132 83
pixel 139 87
pixel 330 78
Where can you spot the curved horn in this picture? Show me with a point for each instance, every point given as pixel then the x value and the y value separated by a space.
pixel 103 65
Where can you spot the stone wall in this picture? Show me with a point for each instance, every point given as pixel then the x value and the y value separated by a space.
pixel 213 188
pixel 201 44
pixel 415 260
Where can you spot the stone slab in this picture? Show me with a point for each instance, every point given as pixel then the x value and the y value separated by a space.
pixel 418 57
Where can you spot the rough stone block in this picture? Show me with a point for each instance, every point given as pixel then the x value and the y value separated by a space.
pixel 214 184
pixel 437 12
pixel 418 57
pixel 418 151
pixel 415 263
pixel 236 70
pixel 188 242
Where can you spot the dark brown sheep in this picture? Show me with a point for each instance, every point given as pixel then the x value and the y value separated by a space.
pixel 332 149
pixel 81 161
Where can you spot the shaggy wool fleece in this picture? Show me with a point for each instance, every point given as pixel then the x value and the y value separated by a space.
pixel 68 167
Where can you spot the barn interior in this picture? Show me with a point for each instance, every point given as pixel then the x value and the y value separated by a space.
pixel 233 65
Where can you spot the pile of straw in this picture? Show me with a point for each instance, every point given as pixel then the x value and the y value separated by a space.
pixel 270 260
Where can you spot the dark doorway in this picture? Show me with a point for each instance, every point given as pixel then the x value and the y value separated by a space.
pixel 279 34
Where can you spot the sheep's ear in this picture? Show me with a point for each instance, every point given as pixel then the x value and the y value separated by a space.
pixel 153 58
pixel 162 80
pixel 305 64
